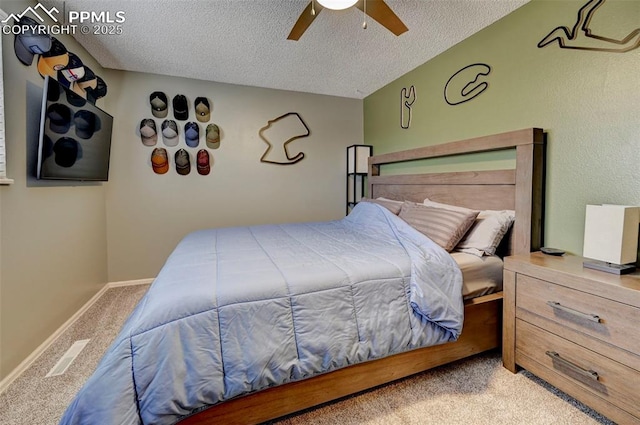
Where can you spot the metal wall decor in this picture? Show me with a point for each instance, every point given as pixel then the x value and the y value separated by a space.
pixel 290 159
pixel 407 98
pixel 464 85
pixel 580 36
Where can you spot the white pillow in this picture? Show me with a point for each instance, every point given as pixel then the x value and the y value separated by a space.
pixel 486 233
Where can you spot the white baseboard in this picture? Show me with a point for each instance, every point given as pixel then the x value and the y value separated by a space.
pixel 130 283
pixel 22 367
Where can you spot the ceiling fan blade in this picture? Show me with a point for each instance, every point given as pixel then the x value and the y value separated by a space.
pixel 381 12
pixel 304 21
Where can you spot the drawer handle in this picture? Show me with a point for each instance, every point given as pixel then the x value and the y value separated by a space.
pixel 558 306
pixel 574 367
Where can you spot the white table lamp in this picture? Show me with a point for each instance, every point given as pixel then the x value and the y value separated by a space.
pixel 611 238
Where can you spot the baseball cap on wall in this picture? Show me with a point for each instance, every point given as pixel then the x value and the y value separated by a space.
pixel 29 43
pixel 89 80
pixel 202 162
pixel 192 134
pixel 98 92
pixel 86 123
pixel 183 162
pixel 148 132
pixel 59 116
pixel 160 161
pixel 169 132
pixel 72 72
pixel 180 107
pixel 159 104
pixel 213 136
pixel 54 60
pixel 203 110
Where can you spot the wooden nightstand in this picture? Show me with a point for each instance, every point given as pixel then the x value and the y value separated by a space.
pixel 576 328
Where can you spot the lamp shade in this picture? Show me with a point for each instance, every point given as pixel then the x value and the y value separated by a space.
pixel 611 233
pixel 337 4
pixel 358 159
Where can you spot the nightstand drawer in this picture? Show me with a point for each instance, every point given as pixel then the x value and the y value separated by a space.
pixel 609 321
pixel 591 371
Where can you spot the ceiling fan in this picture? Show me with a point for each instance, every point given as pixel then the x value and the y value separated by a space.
pixel 376 9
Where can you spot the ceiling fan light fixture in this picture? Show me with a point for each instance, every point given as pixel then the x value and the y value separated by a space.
pixel 337 4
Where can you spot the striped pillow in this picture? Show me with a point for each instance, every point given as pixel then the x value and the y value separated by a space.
pixel 444 227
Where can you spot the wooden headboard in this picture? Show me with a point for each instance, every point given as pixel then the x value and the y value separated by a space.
pixel 519 189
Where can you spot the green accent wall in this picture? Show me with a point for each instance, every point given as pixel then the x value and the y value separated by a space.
pixel 588 103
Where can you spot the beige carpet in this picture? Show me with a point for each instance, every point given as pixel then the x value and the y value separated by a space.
pixel 474 391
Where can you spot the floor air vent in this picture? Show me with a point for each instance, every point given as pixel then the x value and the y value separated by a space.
pixel 68 358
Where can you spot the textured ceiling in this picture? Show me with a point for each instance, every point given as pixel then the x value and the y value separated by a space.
pixel 245 41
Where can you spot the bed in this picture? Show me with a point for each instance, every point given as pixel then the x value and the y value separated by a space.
pixel 313 365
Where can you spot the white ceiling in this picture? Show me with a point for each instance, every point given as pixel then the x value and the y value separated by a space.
pixel 245 41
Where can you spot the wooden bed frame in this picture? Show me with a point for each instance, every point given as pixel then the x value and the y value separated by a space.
pixel 519 189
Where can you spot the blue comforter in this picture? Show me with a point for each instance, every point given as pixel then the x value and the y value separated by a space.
pixel 237 310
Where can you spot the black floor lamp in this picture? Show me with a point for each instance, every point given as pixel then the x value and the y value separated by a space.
pixel 357 169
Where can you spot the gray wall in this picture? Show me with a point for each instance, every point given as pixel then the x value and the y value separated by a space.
pixel 147 213
pixel 54 237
